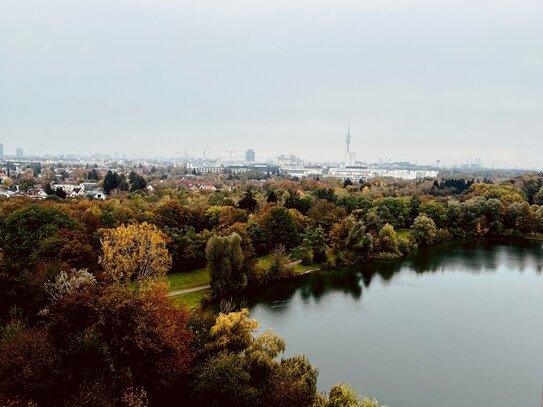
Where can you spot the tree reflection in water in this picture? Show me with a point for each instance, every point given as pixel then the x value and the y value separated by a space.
pixel 456 256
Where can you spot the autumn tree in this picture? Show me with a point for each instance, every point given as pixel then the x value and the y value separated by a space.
pixel 121 338
pixel 28 364
pixel 342 395
pixel 243 370
pixel 66 283
pixel 135 251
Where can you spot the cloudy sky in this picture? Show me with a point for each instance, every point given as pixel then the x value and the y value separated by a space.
pixel 419 80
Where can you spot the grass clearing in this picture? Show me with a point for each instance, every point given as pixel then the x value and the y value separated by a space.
pixel 403 233
pixel 301 268
pixel 192 300
pixel 264 261
pixel 190 279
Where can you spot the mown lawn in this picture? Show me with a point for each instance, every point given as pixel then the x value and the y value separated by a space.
pixel 192 300
pixel 300 268
pixel 403 233
pixel 190 279
pixel 264 261
pixel 199 277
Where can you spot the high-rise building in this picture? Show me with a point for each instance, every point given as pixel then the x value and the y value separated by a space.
pixel 19 153
pixel 250 155
pixel 1 150
pixel 350 159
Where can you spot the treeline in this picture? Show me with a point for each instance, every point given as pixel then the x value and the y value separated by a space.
pixel 309 220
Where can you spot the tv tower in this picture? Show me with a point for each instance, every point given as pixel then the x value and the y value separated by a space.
pixel 350 158
pixel 348 136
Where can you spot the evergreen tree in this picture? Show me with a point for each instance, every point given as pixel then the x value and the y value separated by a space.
pixel 248 202
pixel 93 174
pixel 319 245
pixel 137 182
pixel 111 182
pixel 60 193
pixel 272 197
pixel 48 190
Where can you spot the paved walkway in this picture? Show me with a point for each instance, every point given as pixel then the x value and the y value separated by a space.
pixel 188 290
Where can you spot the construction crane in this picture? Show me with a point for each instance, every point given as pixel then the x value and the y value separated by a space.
pixel 205 148
pixel 233 151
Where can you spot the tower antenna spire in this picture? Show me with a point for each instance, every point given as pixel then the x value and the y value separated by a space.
pixel 348 135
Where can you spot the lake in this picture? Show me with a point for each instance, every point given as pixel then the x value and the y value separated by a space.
pixel 459 324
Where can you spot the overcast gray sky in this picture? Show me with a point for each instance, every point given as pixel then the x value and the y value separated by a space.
pixel 419 80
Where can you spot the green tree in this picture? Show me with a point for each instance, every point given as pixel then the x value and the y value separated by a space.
pixel 225 264
pixel 539 219
pixel 279 227
pixel 111 182
pixel 48 189
pixel 26 230
pixel 248 203
pixel 225 380
pixel 93 175
pixel 26 183
pixel 319 245
pixel 538 198
pixel 243 370
pixel 436 211
pixel 424 230
pixel 137 182
pixel 392 210
pixel 271 197
pixel 279 267
pixel 388 241
pixel 358 243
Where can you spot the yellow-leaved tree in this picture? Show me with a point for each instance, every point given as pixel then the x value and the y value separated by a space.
pixel 135 251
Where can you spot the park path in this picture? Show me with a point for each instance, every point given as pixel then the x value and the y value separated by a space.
pixel 205 287
pixel 188 290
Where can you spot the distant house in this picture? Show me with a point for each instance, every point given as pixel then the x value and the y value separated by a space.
pixel 68 188
pixel 96 194
pixel 89 186
pixel 37 193
pixel 76 192
pixel 206 187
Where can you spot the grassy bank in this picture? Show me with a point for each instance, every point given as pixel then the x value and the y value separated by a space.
pixel 192 300
pixel 190 279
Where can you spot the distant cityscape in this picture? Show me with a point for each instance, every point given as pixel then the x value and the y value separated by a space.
pixel 248 160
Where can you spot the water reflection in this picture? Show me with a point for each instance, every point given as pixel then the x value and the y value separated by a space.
pixel 478 256
pixel 455 324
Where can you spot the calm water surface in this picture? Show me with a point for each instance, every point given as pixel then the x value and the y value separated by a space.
pixel 460 324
